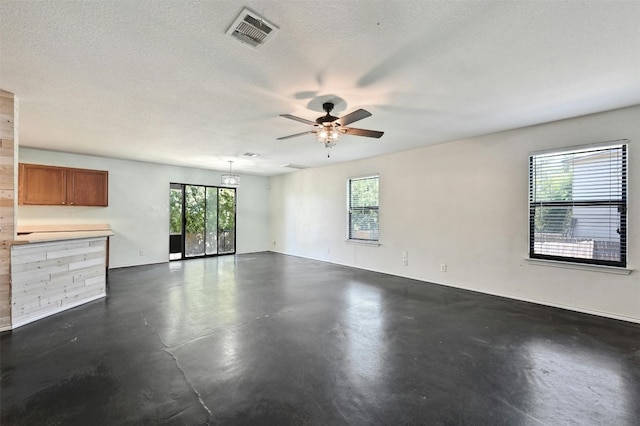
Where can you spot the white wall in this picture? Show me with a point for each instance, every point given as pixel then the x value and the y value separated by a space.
pixel 136 189
pixel 462 203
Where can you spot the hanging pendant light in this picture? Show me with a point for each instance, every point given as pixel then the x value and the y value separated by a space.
pixel 230 179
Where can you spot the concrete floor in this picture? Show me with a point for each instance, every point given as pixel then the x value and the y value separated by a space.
pixel 268 339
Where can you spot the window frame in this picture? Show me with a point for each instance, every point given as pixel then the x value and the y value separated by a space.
pixel 349 228
pixel 622 203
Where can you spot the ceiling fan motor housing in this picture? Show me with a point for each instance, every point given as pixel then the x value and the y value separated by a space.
pixel 328 107
pixel 326 119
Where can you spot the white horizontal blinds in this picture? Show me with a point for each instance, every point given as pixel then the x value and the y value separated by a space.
pixel 577 205
pixel 363 208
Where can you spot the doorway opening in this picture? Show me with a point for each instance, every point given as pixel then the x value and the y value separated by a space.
pixel 202 221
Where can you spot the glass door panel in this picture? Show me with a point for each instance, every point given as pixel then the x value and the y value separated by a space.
pixel 226 220
pixel 175 221
pixel 194 212
pixel 211 222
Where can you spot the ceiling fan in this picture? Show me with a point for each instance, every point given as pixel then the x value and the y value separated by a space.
pixel 329 129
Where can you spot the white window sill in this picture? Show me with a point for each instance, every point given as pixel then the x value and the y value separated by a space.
pixel 364 242
pixel 580 266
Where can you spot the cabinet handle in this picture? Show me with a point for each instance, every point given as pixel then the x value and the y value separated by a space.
pixel 63 202
pixel 71 203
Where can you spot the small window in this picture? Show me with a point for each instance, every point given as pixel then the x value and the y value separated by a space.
pixel 578 205
pixel 363 204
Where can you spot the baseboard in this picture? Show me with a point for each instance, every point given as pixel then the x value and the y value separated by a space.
pixel 506 296
pixel 557 305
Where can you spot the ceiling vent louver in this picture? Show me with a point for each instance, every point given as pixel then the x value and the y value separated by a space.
pixel 251 29
pixel 295 166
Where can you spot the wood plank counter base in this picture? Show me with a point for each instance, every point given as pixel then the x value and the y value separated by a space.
pixel 52 271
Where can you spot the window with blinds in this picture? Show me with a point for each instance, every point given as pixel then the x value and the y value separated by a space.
pixel 578 205
pixel 363 206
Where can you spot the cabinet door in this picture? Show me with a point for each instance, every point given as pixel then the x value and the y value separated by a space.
pixel 41 185
pixel 88 187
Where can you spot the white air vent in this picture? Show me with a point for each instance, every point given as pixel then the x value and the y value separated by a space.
pixel 295 166
pixel 251 29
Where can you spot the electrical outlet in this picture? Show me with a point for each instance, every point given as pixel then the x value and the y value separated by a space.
pixel 405 261
pixel 141 252
pixel 443 267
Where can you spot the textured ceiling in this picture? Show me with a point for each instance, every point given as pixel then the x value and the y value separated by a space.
pixel 161 82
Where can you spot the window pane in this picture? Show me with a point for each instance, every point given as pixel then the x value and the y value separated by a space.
pixel 578 205
pixel 579 176
pixel 593 232
pixel 364 224
pixel 363 208
pixel 364 192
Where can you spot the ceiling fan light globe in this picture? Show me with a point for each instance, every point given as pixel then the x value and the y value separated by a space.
pixel 322 134
pixel 328 134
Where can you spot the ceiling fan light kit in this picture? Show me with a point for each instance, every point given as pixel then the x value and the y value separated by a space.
pixel 329 129
pixel 328 135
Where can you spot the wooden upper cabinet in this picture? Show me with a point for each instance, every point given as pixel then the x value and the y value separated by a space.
pixel 60 186
pixel 87 187
pixel 42 185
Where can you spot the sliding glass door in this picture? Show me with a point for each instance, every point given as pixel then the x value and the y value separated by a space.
pixel 203 221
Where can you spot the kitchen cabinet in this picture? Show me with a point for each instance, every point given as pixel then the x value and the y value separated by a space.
pixel 87 187
pixel 62 186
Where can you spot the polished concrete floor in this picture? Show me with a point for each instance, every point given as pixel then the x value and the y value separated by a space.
pixel 268 339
